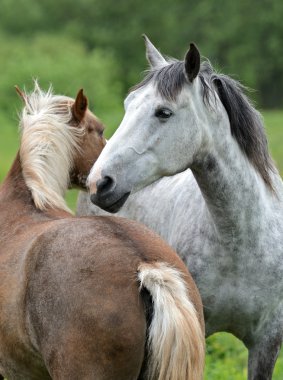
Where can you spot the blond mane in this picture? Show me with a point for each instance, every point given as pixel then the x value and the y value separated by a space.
pixel 48 145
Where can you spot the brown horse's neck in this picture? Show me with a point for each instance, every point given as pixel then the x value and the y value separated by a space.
pixel 14 188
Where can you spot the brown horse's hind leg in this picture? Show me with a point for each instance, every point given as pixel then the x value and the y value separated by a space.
pixel 101 341
pixel 79 359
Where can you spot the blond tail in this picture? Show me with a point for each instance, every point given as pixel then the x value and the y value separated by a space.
pixel 175 338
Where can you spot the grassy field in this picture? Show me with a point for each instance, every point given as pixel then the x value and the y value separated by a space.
pixel 226 356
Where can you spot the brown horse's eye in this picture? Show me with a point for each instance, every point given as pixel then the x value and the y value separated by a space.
pixel 100 132
pixel 90 128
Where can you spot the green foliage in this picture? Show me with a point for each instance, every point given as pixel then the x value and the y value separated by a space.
pixel 242 38
pixel 65 63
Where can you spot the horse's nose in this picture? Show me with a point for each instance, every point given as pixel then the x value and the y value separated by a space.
pixel 105 194
pixel 104 187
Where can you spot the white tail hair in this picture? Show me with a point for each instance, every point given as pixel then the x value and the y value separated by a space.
pixel 175 337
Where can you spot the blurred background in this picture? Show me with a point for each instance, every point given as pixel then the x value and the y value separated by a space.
pixel 97 45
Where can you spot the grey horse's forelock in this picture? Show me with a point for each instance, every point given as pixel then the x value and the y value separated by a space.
pixel 169 80
pixel 245 122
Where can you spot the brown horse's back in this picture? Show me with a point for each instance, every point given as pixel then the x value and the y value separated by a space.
pixel 84 281
pixel 82 307
pixel 85 285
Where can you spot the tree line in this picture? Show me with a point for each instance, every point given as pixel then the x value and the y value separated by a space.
pixel 97 44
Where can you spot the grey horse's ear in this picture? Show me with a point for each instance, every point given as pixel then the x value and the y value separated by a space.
pixel 153 56
pixel 192 62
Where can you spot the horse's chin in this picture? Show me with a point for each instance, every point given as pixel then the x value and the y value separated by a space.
pixel 110 207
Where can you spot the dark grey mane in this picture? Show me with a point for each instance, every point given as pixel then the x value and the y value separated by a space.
pixel 245 122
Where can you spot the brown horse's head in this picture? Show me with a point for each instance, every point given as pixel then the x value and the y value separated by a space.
pixel 60 141
pixel 91 143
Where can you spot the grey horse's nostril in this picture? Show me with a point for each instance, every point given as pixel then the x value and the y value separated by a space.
pixel 105 185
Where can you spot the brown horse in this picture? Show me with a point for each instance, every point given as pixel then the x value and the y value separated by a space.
pixel 85 298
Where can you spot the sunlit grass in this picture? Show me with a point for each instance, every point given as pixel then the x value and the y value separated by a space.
pixel 227 359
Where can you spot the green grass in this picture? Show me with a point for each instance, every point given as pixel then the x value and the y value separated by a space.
pixel 274 128
pixel 226 357
pixel 9 142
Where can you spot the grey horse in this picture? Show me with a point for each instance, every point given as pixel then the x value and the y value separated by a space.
pixel 221 206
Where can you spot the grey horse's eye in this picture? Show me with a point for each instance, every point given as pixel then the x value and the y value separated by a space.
pixel 163 113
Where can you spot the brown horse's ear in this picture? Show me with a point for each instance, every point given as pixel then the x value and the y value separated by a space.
pixel 21 94
pixel 192 62
pixel 80 106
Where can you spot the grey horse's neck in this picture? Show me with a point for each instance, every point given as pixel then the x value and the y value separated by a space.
pixel 234 192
